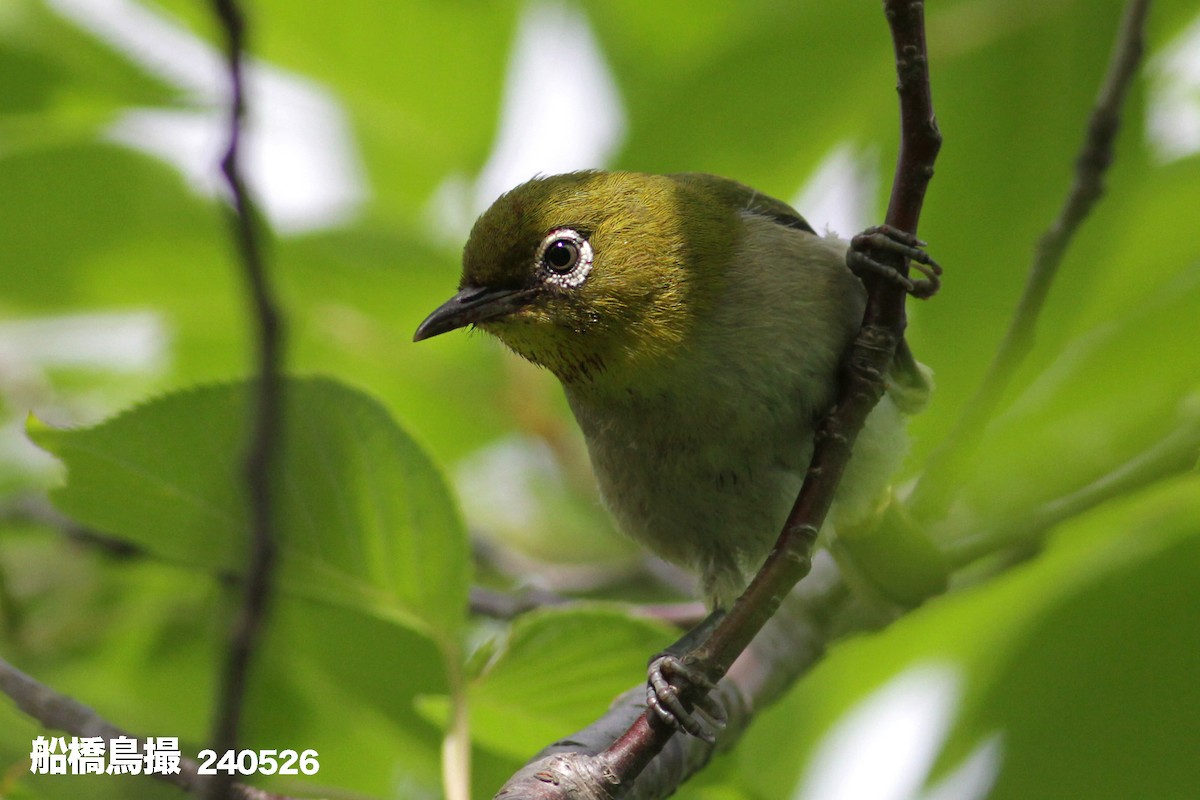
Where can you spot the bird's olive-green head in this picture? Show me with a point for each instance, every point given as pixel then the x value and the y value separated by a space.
pixel 595 273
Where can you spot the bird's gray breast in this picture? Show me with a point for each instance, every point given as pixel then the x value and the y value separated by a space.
pixel 703 458
pixel 704 484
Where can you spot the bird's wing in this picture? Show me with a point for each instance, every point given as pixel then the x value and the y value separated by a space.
pixel 910 382
pixel 740 196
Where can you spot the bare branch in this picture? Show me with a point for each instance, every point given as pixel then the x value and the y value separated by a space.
pixel 789 644
pixel 59 712
pixel 265 415
pixel 936 488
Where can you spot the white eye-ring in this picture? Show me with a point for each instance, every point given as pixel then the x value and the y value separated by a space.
pixel 565 258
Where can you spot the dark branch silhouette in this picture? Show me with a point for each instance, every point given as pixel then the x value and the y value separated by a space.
pixel 265 415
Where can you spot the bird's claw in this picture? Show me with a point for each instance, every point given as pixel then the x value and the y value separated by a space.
pixel 884 238
pixel 669 678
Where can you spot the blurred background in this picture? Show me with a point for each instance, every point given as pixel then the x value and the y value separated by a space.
pixel 377 132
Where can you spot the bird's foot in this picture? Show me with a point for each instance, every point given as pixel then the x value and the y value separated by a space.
pixel 877 240
pixel 671 678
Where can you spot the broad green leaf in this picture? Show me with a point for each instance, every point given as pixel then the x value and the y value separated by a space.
pixel 363 517
pixel 342 683
pixel 557 670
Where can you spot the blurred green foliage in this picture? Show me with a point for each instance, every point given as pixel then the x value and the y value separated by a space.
pixel 1082 660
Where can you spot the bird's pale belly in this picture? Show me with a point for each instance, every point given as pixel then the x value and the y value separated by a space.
pixel 708 486
pixel 708 491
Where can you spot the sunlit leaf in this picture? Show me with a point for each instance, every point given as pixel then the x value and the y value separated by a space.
pixel 363 517
pixel 556 671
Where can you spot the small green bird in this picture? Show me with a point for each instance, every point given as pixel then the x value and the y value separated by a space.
pixel 697 328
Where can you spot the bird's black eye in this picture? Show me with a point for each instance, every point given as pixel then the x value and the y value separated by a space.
pixel 561 255
pixel 564 258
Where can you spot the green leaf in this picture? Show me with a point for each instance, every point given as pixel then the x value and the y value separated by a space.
pixel 1113 391
pixel 1097 696
pixel 557 671
pixel 362 516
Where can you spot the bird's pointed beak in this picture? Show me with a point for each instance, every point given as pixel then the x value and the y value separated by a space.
pixel 471 304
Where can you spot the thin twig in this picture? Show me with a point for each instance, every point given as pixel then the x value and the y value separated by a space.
pixel 265 414
pixel 861 387
pixel 35 509
pixel 12 616
pixel 935 489
pixel 58 712
pixel 493 604
pixel 820 611
pixel 1174 454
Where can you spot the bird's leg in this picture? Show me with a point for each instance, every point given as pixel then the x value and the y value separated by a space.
pixel 671 674
pixel 878 240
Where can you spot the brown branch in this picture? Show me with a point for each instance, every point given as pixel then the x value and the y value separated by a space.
pixel 821 610
pixel 265 415
pixel 790 643
pixel 862 386
pixel 937 486
pixel 59 712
